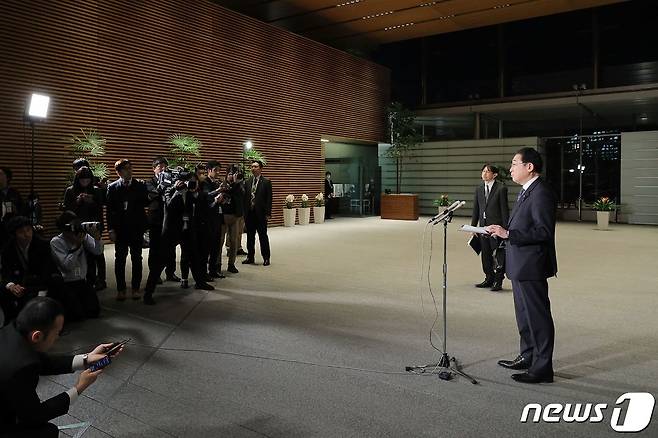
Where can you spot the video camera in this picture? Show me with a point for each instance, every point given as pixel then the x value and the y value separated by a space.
pixel 77 226
pixel 169 178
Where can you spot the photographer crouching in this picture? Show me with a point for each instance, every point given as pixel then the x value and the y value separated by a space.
pixel 23 347
pixel 69 250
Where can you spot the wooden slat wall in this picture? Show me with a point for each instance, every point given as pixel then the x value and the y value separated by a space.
pixel 139 71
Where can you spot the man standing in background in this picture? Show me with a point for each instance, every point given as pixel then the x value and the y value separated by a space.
pixel 258 210
pixel 490 208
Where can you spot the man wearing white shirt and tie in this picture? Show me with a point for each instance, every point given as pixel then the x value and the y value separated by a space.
pixel 490 208
pixel 258 210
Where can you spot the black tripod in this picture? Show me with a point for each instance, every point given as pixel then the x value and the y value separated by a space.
pixel 447 366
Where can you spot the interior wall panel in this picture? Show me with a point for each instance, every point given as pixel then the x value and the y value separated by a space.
pixel 140 71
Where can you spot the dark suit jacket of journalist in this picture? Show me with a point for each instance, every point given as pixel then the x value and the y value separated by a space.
pixel 263 197
pixel 495 207
pixel 530 250
pixel 20 369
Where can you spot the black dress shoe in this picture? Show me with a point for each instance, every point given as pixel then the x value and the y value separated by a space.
pixel 204 286
pixel 531 378
pixel 240 252
pixel 520 363
pixel 485 283
pixel 173 277
pixel 158 281
pixel 217 274
pixel 232 269
pixel 248 261
pixel 498 285
pixel 266 262
pixel 148 300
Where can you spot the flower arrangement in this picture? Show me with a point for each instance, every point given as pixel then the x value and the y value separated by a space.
pixel 304 201
pixel 604 204
pixel 319 200
pixel 290 199
pixel 444 201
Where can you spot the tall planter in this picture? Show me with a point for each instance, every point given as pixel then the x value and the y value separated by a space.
pixel 304 215
pixel 602 219
pixel 318 214
pixel 289 217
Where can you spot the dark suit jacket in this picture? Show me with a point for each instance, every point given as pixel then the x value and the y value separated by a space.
pixel 530 249
pixel 86 211
pixel 263 201
pixel 38 273
pixel 20 369
pixel 328 188
pixel 130 220
pixel 496 207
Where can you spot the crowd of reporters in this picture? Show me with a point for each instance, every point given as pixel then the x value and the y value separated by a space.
pixel 201 210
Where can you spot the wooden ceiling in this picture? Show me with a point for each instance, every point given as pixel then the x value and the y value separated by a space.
pixel 361 23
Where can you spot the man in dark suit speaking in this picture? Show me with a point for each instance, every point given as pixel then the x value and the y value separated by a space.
pixel 23 347
pixel 490 208
pixel 258 210
pixel 530 261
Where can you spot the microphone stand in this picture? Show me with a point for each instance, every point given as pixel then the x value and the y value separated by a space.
pixel 448 365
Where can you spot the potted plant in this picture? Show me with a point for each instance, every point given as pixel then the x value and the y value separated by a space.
pixel 91 145
pixel 185 150
pixel 603 207
pixel 404 137
pixel 289 211
pixel 443 201
pixel 318 209
pixel 304 211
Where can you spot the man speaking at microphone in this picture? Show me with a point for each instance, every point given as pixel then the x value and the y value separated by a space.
pixel 530 260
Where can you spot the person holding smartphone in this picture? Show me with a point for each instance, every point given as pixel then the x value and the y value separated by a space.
pixel 24 345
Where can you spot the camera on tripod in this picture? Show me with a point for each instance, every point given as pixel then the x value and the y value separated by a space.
pixel 170 177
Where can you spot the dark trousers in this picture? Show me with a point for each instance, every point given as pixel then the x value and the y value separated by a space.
pixel 157 250
pixel 47 430
pixel 488 246
pixel 189 259
pixel 257 224
pixel 96 268
pixel 124 243
pixel 201 245
pixel 535 323
pixel 214 248
pixel 79 300
pixel 11 304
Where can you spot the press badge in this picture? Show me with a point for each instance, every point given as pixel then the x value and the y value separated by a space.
pixel 125 205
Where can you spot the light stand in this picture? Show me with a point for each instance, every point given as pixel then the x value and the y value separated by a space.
pixel 38 110
pixel 447 365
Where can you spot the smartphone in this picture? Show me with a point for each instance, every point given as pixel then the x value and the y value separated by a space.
pixel 116 346
pixel 100 364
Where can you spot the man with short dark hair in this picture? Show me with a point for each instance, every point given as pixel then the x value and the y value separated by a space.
pixel 126 221
pixel 258 210
pixel 27 267
pixel 328 195
pixel 23 347
pixel 530 260
pixel 490 208
pixel 215 220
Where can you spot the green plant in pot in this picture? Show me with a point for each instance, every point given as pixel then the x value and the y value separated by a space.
pixel 90 146
pixel 404 137
pixel 185 151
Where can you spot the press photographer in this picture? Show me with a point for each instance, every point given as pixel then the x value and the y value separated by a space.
pixel 155 215
pixel 23 347
pixel 69 249
pixel 180 189
pixel 27 267
pixel 232 201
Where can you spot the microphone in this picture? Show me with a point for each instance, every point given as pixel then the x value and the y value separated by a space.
pixel 452 207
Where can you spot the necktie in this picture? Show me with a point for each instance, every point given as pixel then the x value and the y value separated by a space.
pixel 254 184
pixel 486 192
pixel 520 194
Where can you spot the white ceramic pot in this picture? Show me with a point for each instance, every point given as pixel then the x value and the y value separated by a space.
pixel 289 217
pixel 304 216
pixel 318 214
pixel 602 219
